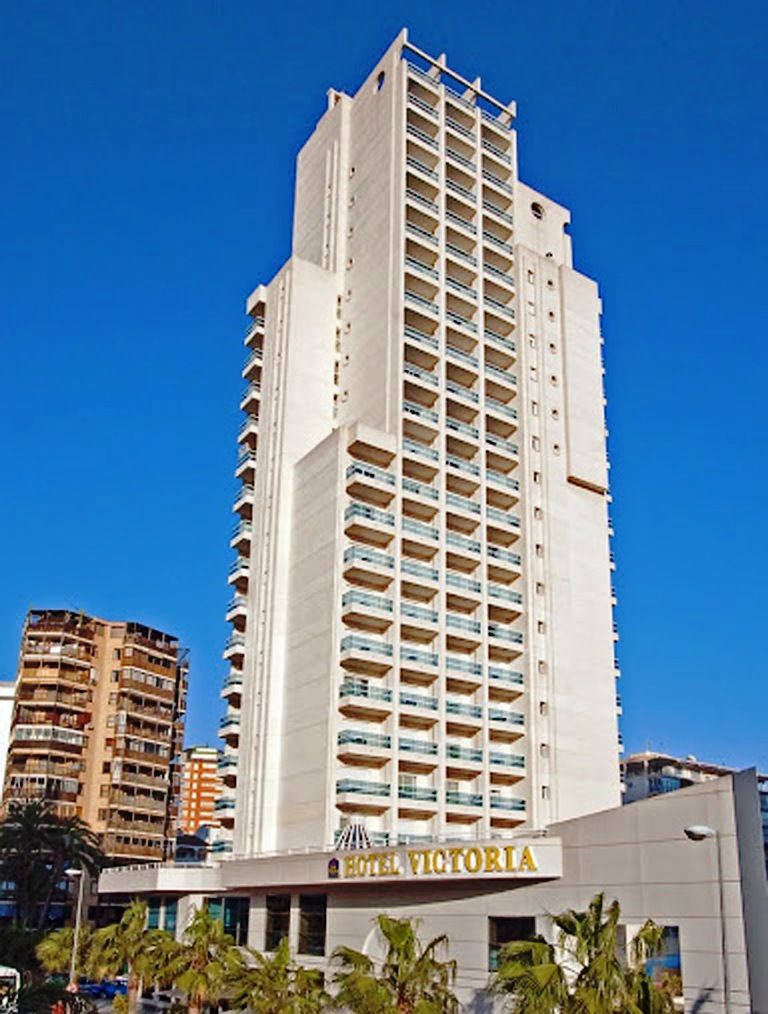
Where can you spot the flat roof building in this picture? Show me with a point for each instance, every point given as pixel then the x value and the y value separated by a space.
pixel 97 727
pixel 7 692
pixel 200 787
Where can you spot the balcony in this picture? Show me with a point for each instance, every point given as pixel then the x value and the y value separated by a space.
pixel 506 811
pixel 358 699
pixel 364 749
pixel 415 664
pixel 417 711
pixel 462 160
pixel 420 422
pixel 420 571
pixel 421 167
pixel 254 329
pixel 227 768
pixel 498 153
pixel 421 135
pixel 356 796
pixel 252 366
pixel 416 802
pixel 425 107
pixel 418 756
pixel 505 725
pixel 229 729
pixel 243 502
pixel 233 686
pixel 366 611
pixel 235 648
pixel 504 684
pixel 251 400
pixel 506 768
pixel 245 469
pixel 249 432
pixel 464 718
pixel 420 489
pixel 369 483
pixel 467 761
pixel 237 611
pixel 364 523
pixel 239 572
pixel 365 655
pixel 463 676
pixel 497 242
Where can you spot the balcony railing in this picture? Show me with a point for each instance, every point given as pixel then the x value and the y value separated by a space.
pixel 352 553
pixel 456 251
pixel 464 357
pixel 463 798
pixel 510 717
pixel 420 488
pixel 504 554
pixel 459 581
pixel 461 159
pixel 421 301
pixel 421 657
pixel 499 307
pixel 495 150
pixel 416 230
pixel 423 339
pixel 495 241
pixel 461 391
pixel 463 623
pixel 456 752
pixel 419 528
pixel 455 664
pixel 361 598
pixel 353 737
pixel 500 406
pixel 361 510
pixel 417 746
pixel 464 223
pixel 422 793
pixel 414 100
pixel 411 408
pixel 416 371
pixel 356 469
pixel 503 634
pixel 462 542
pixel 425 269
pixel 497 181
pixel 358 688
pixel 462 465
pixel 502 480
pixel 506 803
pixel 498 591
pixel 503 215
pixel 506 760
pixel 515 679
pixel 414 163
pixel 354 643
pixel 503 517
pixel 419 612
pixel 425 202
pixel 460 708
pixel 412 700
pixel 422 136
pixel 502 444
pixel 356 787
pixel 505 375
pixel 414 447
pixel 419 570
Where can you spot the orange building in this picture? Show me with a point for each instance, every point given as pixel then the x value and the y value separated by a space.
pixel 200 786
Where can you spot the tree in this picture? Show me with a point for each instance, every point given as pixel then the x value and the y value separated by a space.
pixel 54 952
pixel 36 847
pixel 583 972
pixel 274 984
pixel 128 946
pixel 201 964
pixel 411 979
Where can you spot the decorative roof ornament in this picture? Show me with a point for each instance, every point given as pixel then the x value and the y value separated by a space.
pixel 354 836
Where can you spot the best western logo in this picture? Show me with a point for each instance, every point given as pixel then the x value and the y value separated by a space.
pixel 486 859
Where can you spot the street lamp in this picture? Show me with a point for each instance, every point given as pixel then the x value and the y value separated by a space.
pixel 75 874
pixel 699 833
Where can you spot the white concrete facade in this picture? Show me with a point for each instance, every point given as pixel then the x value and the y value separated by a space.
pixel 422 620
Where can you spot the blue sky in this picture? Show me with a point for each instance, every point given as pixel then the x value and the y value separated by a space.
pixel 147 182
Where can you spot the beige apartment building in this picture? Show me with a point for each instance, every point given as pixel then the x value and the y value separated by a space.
pixel 200 788
pixel 97 727
pixel 422 634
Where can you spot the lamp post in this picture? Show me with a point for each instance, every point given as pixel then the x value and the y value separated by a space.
pixel 75 874
pixel 699 833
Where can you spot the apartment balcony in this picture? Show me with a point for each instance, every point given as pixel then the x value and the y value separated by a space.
pixel 420 539
pixel 499 348
pixel 497 241
pixel 421 498
pixel 237 611
pixel 365 655
pixel 420 377
pixel 50 738
pixel 422 104
pixel 227 768
pixel 245 469
pixel 419 421
pixel 505 725
pixel 418 756
pixel 368 567
pixel 420 266
pixel 241 536
pixel 507 811
pixel 252 366
pixel 234 649
pixel 254 331
pixel 232 687
pixel 423 120
pixel 251 400
pixel 418 623
pixel 358 796
pixel 463 717
pixel 419 581
pixel 499 154
pixel 239 571
pixel 417 665
pixel 363 749
pixel 248 434
pixel 58 698
pixel 504 684
pixel 137 802
pixel 229 729
pixel 421 137
pixel 243 502
pixel 499 183
pixel 463 675
pixel 369 483
pixel 423 164
pixel 420 461
pixel 459 157
pixel 358 699
pixel 506 768
pixel 366 611
pixel 416 802
pixel 224 806
pixel 502 490
pixel 363 523
pixel 463 807
pixel 417 711
pixel 464 592
pixel 138 827
pixel 463 762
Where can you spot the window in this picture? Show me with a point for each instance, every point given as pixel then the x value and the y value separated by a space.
pixel 380 80
pixel 539 588
pixel 535 442
pixel 541 627
pixel 236 912
pixel 153 913
pixel 170 915
pixel 503 930
pixel 537 210
pixel 312 913
pixel 278 924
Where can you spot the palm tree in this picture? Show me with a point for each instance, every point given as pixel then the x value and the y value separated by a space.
pixel 274 984
pixel 36 847
pixel 201 964
pixel 530 974
pixel 411 979
pixel 54 952
pixel 128 946
pixel 583 972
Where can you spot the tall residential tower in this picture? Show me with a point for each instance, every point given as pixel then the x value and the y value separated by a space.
pixel 423 637
pixel 97 728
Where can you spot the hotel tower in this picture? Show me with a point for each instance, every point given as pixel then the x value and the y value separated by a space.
pixel 422 633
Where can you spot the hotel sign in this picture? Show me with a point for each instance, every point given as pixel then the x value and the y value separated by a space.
pixel 540 858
